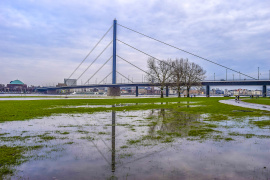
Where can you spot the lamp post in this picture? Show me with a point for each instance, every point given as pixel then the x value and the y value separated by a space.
pixel 258 73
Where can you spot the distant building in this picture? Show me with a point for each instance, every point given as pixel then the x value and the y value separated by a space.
pixel 70 82
pixel 2 87
pixel 61 85
pixel 16 85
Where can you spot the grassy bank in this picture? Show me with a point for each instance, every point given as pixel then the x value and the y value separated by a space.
pixel 23 110
pixel 265 101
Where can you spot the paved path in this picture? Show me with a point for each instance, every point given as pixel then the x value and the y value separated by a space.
pixel 245 104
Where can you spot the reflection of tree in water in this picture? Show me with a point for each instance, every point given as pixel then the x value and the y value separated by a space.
pixel 171 122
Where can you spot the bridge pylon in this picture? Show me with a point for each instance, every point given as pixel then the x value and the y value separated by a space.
pixel 114 51
pixel 114 91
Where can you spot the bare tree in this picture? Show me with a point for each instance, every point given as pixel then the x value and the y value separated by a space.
pixel 194 74
pixel 178 74
pixel 159 72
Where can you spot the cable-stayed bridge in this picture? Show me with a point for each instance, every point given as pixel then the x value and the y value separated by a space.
pixel 115 57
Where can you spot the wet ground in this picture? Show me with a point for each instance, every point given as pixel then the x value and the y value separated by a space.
pixel 246 104
pixel 145 144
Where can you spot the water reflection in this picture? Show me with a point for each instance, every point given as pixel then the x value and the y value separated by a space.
pixel 171 121
pixel 148 144
pixel 113 140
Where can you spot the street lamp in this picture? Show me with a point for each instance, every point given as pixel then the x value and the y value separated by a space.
pixel 258 73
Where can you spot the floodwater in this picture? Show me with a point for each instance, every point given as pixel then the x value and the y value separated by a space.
pixel 148 144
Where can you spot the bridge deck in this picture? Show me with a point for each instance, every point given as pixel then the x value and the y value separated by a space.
pixel 203 83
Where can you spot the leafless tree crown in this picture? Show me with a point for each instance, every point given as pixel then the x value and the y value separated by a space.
pixel 179 72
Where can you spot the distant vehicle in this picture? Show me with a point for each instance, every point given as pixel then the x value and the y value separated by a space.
pixel 222 79
pixel 227 95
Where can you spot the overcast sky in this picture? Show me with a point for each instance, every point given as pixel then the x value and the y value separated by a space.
pixel 42 42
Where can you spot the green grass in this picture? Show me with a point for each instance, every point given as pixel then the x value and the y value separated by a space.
pixel 83 132
pixel 45 137
pixel 15 138
pixel 9 156
pixel 23 110
pixel 64 132
pixel 89 138
pixel 125 155
pixel 262 124
pixel 265 101
pixel 12 156
pixel 177 122
pixel 123 147
pixel 200 132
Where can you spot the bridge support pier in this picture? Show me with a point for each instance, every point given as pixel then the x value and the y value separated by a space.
pixel 264 93
pixel 51 91
pixel 207 91
pixel 167 91
pixel 137 91
pixel 113 91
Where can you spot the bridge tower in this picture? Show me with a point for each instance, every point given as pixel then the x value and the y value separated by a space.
pixel 114 52
pixel 114 91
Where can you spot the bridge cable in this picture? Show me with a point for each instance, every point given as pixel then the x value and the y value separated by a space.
pixel 95 60
pixel 124 76
pixel 153 77
pixel 185 51
pixel 91 51
pixel 98 70
pixel 145 54
pixel 104 78
pixel 133 65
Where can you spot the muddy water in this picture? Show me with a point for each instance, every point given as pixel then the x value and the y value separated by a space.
pixel 151 144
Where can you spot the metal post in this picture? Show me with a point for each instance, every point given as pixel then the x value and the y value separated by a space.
pixel 233 77
pixel 167 91
pixel 264 91
pixel 226 74
pixel 214 76
pixel 137 91
pixel 207 90
pixel 114 52
pixel 258 73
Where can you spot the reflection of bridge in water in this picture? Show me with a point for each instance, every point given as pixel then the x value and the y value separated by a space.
pixel 249 81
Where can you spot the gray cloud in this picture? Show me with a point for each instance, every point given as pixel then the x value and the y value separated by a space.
pixel 50 38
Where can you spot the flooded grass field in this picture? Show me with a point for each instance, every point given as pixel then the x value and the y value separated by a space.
pixel 157 143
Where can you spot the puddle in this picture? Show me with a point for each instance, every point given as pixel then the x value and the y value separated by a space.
pixel 148 144
pixel 186 103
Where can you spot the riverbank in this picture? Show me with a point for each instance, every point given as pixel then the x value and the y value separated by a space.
pixel 38 130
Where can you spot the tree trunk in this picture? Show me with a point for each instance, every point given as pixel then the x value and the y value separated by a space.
pixel 188 91
pixel 178 91
pixel 161 92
